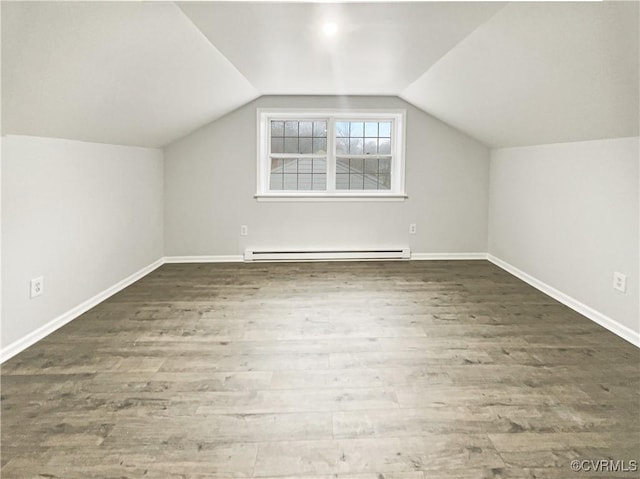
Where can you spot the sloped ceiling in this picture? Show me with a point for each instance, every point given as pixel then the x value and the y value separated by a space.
pixel 540 73
pixel 126 73
pixel 148 73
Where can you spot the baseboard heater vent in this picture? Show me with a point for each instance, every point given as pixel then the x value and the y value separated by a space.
pixel 326 255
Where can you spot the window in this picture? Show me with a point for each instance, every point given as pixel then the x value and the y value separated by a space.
pixel 330 154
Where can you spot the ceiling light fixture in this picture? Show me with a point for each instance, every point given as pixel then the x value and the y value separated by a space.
pixel 330 29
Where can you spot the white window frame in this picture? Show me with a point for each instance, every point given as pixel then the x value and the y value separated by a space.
pixel 395 193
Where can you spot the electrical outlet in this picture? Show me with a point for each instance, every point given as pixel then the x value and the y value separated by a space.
pixel 620 282
pixel 244 230
pixel 412 229
pixel 37 287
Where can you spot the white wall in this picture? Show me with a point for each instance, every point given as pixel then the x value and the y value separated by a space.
pixel 210 180
pixel 567 214
pixel 83 215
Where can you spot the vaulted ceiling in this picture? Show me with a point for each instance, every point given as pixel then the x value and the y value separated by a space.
pixel 380 48
pixel 540 73
pixel 148 73
pixel 126 73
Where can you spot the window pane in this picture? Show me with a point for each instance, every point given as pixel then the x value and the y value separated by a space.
pixel 357 165
pixel 276 165
pixel 298 174
pixel 277 145
pixel 357 129
pixel 342 129
pixel 355 146
pixel 342 181
pixel 275 181
pixel 342 146
pixel 290 182
pixel 304 181
pixel 384 147
pixel 305 145
pixel 290 166
pixel 319 145
pixel 306 128
pixel 370 182
pixel 370 146
pixel 371 165
pixel 371 129
pixel 320 129
pixel 365 138
pixel 319 165
pixel 304 137
pixel 319 181
pixel 356 181
pixel 384 182
pixel 277 128
pixel 304 165
pixel 291 128
pixel 291 145
pixel 363 173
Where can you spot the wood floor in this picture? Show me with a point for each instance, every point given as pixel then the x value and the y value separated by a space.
pixel 378 370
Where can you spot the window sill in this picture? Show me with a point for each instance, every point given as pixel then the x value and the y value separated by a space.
pixel 320 197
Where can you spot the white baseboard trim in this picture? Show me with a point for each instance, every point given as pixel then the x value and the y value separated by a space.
pixel 236 258
pixel 606 322
pixel 447 256
pixel 43 331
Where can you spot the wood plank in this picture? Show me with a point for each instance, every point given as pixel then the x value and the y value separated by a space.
pixel 367 370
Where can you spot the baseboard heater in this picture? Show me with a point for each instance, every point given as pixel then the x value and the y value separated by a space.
pixel 326 254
